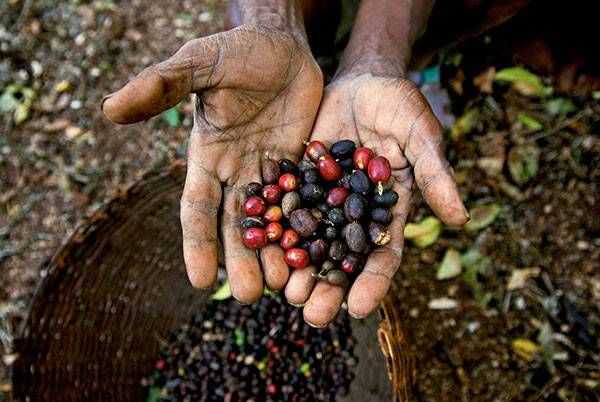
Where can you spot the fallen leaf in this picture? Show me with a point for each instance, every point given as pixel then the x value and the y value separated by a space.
pixel 559 106
pixel 442 303
pixel 62 86
pixel 424 233
pixel 529 122
pixel 519 277
pixel 451 265
pixel 525 349
pixel 523 162
pixel 482 216
pixel 224 292
pixel 523 81
pixel 465 124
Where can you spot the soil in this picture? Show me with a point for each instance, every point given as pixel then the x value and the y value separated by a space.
pixel 65 159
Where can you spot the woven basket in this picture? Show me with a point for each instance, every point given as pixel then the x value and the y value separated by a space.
pixel 115 289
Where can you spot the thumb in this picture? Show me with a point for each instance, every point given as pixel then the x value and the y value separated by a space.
pixel 194 67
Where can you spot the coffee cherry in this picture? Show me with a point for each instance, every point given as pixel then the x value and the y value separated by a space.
pixel 355 237
pixel 273 214
pixel 378 234
pixel 288 182
pixel 330 233
pixel 297 258
pixel 316 213
pixel 329 168
pixel 274 231
pixel 342 149
pixel 359 182
pixel 386 199
pixel 310 176
pixel 379 169
pixel 317 250
pixel 254 238
pixel 315 149
pixel 354 207
pixel 312 192
pixel 253 222
pixel 345 181
pixel 303 222
pixel 346 164
pixel 362 157
pixel 323 207
pixel 337 250
pixel 289 239
pixel 270 171
pixel 305 165
pixel 287 166
pixel 253 189
pixel 336 216
pixel 271 193
pixel 337 196
pixel 336 277
pixel 351 264
pixel 381 215
pixel 254 206
pixel 289 203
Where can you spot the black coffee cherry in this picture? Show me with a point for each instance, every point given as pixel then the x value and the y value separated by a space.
pixel 359 182
pixel 336 216
pixel 345 181
pixel 288 166
pixel 386 199
pixel 317 250
pixel 337 250
pixel 354 207
pixel 327 266
pixel 343 149
pixel 331 233
pixel 310 176
pixel 347 164
pixel 381 215
pixel 355 237
pixel 305 165
pixel 303 222
pixel 254 189
pixel 312 192
pixel 337 278
pixel 253 222
pixel 323 207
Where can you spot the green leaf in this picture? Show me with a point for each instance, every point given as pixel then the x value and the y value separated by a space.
pixel 465 124
pixel 451 265
pixel 172 117
pixel 523 81
pixel 476 264
pixel 240 337
pixel 224 292
pixel 19 105
pixel 529 122
pixel 482 216
pixel 558 106
pixel 424 233
pixel 523 161
pixel 154 395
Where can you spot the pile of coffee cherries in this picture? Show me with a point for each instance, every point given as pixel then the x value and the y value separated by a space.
pixel 330 210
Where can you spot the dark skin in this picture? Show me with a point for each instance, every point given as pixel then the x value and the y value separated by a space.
pixel 259 93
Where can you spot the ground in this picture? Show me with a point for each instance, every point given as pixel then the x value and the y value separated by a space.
pixel 516 319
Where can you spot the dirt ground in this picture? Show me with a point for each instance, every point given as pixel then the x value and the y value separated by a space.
pixel 516 319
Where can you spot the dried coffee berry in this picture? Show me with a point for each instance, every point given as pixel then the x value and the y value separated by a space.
pixel 289 239
pixel 274 231
pixel 273 214
pixel 337 196
pixel 354 207
pixel 351 264
pixel 378 234
pixel 315 149
pixel 386 199
pixel 287 166
pixel 329 168
pixel 270 171
pixel 254 206
pixel 271 193
pixel 381 215
pixel 359 182
pixel 336 216
pixel 303 222
pixel 362 157
pixel 297 258
pixel 317 250
pixel 336 277
pixel 305 165
pixel 254 238
pixel 355 237
pixel 312 192
pixel 316 213
pixel 253 222
pixel 253 189
pixel 289 203
pixel 288 182
pixel 310 176
pixel 343 149
pixel 331 233
pixel 337 250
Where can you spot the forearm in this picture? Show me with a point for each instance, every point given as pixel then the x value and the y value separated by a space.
pixel 287 15
pixel 383 35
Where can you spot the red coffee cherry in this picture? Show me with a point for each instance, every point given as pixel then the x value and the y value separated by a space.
pixel 288 182
pixel 273 214
pixel 315 149
pixel 336 196
pixel 254 206
pixel 329 168
pixel 362 157
pixel 289 239
pixel 274 230
pixel 254 238
pixel 379 169
pixel 271 193
pixel 297 258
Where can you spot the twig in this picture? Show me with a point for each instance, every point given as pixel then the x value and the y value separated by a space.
pixel 563 124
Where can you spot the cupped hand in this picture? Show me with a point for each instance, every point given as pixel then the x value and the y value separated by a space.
pixel 392 117
pixel 257 91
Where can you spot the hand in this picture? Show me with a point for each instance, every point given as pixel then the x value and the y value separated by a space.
pixel 390 116
pixel 257 90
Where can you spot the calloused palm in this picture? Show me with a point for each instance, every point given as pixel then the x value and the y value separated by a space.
pixel 257 91
pixel 391 116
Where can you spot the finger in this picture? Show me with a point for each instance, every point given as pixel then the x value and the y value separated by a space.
pixel 374 281
pixel 194 67
pixel 243 269
pixel 199 206
pixel 275 269
pixel 323 304
pixel 300 285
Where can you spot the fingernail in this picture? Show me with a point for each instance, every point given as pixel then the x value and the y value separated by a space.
pixel 297 305
pixel 315 325
pixel 356 316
